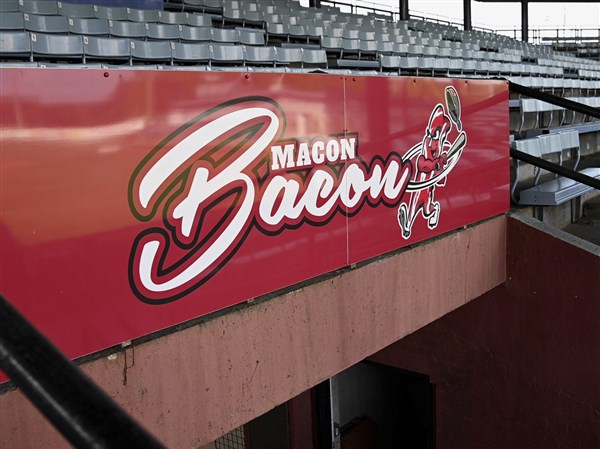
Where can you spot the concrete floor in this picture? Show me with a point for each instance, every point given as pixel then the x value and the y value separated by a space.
pixel 588 227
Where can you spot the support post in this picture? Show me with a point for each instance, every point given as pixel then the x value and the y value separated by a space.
pixel 467 15
pixel 524 21
pixel 314 3
pixel 404 14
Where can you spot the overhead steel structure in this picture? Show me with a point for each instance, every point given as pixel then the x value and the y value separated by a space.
pixel 405 15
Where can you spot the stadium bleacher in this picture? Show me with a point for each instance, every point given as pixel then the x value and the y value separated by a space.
pixel 285 36
pixel 348 40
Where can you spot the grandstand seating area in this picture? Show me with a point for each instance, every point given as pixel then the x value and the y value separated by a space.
pixel 268 35
pixel 274 35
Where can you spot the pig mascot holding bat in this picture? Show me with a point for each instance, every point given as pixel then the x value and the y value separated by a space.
pixel 437 156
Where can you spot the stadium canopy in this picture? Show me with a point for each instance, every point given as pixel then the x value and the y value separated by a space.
pixel 524 11
pixel 405 15
pixel 404 11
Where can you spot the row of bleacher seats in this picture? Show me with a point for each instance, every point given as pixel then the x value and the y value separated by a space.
pixel 366 53
pixel 24 45
pixel 356 42
pixel 85 49
pixel 535 114
pixel 100 24
pixel 136 30
pixel 556 190
pixel 564 87
pixel 15 20
pixel 427 34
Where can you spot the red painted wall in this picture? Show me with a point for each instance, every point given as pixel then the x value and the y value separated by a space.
pixel 520 366
pixel 192 386
pixel 135 200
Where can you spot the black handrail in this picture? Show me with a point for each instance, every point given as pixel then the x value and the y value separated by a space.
pixel 555 168
pixel 83 413
pixel 554 99
pixel 542 163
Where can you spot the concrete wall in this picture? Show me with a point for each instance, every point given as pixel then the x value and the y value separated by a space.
pixel 192 386
pixel 520 366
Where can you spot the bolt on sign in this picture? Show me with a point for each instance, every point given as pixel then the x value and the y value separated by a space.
pixel 136 200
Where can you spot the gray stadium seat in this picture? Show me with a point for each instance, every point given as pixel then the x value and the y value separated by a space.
pixel 190 52
pixel 442 52
pixel 55 46
pixel 243 17
pixel 88 27
pixel 409 64
pixel 45 24
pixel 150 51
pixel 290 20
pixel 224 36
pixel 84 11
pixel 297 32
pixel 350 47
pixel 252 19
pixel 366 35
pixel 425 64
pixel 43 7
pixel 268 9
pixel 12 21
pixel 349 33
pixel 232 15
pixel 226 54
pixel 401 49
pixel 415 50
pixel 206 6
pixel 162 31
pixel 173 5
pixel 106 49
pixel 194 34
pixel 110 12
pixel 430 51
pixel 248 37
pixel 275 18
pixel 277 31
pixel 441 66
pixel 288 56
pixel 118 28
pixel 142 15
pixel 9 6
pixel 334 32
pixel 314 58
pixel 178 18
pixel 264 56
pixel 390 62
pixel 385 48
pixel 314 32
pixel 482 67
pixel 333 44
pixel 367 49
pixel 252 7
pixel 199 20
pixel 15 44
pixel 468 66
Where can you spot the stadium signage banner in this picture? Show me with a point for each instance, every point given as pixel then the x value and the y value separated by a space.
pixel 136 200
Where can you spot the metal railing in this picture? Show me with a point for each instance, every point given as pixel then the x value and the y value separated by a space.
pixel 553 34
pixel 542 163
pixel 85 415
pixel 362 8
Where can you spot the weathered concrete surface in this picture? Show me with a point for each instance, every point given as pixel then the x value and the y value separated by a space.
pixel 520 366
pixel 192 386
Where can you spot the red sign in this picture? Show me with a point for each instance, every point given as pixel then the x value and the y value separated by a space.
pixel 136 200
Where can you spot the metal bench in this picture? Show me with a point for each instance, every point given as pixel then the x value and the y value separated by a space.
pixel 560 189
